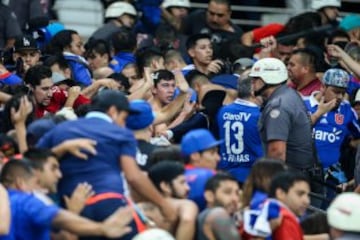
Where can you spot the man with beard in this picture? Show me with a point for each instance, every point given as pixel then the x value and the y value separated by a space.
pixel 222 197
pixel 332 128
pixel 169 178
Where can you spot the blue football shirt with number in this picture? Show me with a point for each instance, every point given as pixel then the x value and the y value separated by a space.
pixel 242 143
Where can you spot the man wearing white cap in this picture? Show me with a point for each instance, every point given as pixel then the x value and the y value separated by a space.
pixel 328 9
pixel 284 125
pixel 344 217
pixel 175 10
pixel 118 14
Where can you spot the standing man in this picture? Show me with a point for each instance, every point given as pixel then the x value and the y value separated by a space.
pixel 333 127
pixel 118 14
pixel 285 126
pixel 237 123
pixel 302 72
pixel 216 21
pixel 327 9
pixel 116 151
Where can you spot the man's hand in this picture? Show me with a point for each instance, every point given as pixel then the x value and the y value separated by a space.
pixel 76 202
pixel 326 107
pixel 108 83
pixel 214 66
pixel 116 225
pixel 76 146
pixel 269 45
pixel 25 108
pixel 74 92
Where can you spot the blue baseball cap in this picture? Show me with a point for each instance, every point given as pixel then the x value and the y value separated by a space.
pixel 142 117
pixel 198 140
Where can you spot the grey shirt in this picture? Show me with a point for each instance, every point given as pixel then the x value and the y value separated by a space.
pixel 105 32
pixel 285 118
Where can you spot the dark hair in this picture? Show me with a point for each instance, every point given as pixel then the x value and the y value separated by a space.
pixel 172 152
pixel 308 57
pixel 260 176
pixel 162 74
pixel 37 73
pixel 234 50
pixel 214 182
pixel 285 180
pixel 145 56
pixel 57 59
pixel 107 98
pixel 193 75
pixel 226 2
pixel 14 102
pixel 97 45
pixel 339 33
pixel 165 171
pixel 8 146
pixel 60 41
pixel 14 169
pixel 165 36
pixel 302 22
pixel 120 78
pixel 37 157
pixel 123 40
pixel 315 223
pixel 193 39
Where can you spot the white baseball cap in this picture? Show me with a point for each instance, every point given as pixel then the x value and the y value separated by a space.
pixel 344 212
pixel 117 9
pixel 271 70
pixel 318 4
pixel 176 3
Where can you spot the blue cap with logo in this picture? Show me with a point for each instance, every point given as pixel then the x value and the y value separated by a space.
pixel 143 116
pixel 198 140
pixel 336 77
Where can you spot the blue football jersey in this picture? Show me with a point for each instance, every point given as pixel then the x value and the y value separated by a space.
pixel 331 129
pixel 238 126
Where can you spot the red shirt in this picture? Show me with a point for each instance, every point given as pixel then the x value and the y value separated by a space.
pixel 57 102
pixel 313 86
pixel 289 228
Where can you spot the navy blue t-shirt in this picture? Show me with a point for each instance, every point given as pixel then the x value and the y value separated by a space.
pixel 102 171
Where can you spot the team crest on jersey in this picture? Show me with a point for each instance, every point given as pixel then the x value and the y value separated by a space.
pixel 339 118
